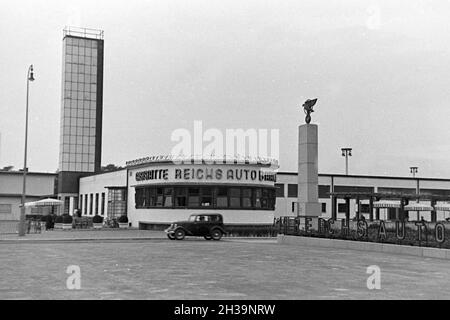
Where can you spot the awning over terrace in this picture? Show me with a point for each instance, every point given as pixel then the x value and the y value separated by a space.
pixel 387 204
pixel 442 207
pixel 418 207
pixel 44 203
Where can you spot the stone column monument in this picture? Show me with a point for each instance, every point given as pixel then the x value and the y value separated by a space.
pixel 308 175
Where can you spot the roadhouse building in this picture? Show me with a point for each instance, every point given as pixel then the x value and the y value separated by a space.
pixel 158 192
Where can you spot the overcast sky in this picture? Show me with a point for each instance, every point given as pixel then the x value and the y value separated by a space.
pixel 380 70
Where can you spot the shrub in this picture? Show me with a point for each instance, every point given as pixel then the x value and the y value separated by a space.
pixel 67 219
pixel 44 218
pixel 97 219
pixel 59 219
pixel 123 219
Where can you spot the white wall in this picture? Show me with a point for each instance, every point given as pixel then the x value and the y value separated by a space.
pixel 97 184
pixel 38 186
pixel 159 215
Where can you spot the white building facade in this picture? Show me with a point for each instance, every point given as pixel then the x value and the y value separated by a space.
pixel 160 192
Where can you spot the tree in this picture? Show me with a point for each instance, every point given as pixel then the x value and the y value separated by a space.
pixel 110 167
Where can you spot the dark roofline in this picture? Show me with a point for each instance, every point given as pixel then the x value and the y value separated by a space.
pixel 18 195
pixel 339 175
pixel 388 195
pixel 189 162
pixel 103 172
pixel 29 173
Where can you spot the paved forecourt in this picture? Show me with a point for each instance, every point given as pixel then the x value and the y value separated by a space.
pixel 84 235
pixel 233 268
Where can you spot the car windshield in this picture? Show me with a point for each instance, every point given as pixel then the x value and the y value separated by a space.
pixel 202 218
pixel 205 218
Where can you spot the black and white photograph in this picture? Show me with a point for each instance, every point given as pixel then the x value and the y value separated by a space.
pixel 219 157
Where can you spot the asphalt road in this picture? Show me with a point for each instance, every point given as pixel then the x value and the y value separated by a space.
pixel 199 269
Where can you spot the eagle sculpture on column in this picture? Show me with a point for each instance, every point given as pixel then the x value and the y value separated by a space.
pixel 308 108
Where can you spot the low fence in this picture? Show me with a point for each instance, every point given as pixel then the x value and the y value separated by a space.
pixel 233 230
pixel 9 226
pixel 413 233
pixel 34 224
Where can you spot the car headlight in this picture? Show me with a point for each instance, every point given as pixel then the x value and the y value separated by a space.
pixel 172 226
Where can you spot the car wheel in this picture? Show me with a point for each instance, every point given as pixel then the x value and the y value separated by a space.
pixel 171 236
pixel 208 237
pixel 216 234
pixel 179 234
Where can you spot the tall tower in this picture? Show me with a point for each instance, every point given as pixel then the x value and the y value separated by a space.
pixel 81 111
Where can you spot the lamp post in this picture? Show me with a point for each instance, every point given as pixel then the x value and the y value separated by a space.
pixel 30 77
pixel 414 170
pixel 346 152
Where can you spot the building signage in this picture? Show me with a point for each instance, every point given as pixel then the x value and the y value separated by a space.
pixel 152 175
pixel 214 173
pixel 199 160
pixel 411 232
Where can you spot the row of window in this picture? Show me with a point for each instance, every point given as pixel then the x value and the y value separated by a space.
pixel 80 86
pixel 364 208
pixel 80 116
pixel 76 42
pixel 292 190
pixel 117 202
pixel 205 197
pixel 81 51
pixel 79 122
pixel 294 207
pixel 77 157
pixel 80 68
pixel 78 167
pixel 90 96
pixel 342 207
pixel 83 121
pixel 73 77
pixel 79 131
pixel 91 205
pixel 71 139
pixel 81 59
pixel 78 104
pixel 77 148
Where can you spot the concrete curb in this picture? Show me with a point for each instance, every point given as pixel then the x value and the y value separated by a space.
pixel 365 246
pixel 28 241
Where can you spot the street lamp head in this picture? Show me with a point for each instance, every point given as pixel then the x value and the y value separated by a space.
pixel 31 75
pixel 346 152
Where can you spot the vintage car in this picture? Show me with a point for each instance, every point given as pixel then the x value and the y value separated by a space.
pixel 209 226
